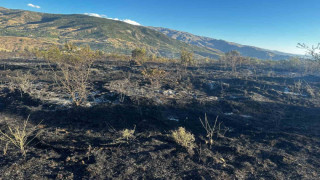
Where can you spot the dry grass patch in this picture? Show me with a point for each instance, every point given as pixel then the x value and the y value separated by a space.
pixel 126 135
pixel 184 138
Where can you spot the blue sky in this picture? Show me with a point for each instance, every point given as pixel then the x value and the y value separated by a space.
pixel 271 24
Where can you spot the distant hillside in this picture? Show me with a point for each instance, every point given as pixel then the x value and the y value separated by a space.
pixel 18 28
pixel 222 45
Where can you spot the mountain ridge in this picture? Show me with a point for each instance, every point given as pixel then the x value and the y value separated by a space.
pixel 222 45
pixel 111 36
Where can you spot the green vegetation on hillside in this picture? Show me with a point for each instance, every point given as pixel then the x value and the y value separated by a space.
pixel 100 33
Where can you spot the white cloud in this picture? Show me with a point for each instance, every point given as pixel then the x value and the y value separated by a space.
pixel 96 15
pixel 34 6
pixel 116 19
pixel 132 22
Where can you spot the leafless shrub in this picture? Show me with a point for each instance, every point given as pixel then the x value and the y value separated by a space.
pixel 212 129
pixel 232 59
pixel 72 69
pixel 19 136
pixel 121 87
pixel 154 75
pixel 303 87
pixel 312 63
pixel 297 87
pixel 314 51
pixel 22 81
pixel 310 90
pixel 126 87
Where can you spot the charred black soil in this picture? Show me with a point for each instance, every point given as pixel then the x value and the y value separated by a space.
pixel 271 120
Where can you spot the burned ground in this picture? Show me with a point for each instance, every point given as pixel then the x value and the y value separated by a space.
pixel 271 120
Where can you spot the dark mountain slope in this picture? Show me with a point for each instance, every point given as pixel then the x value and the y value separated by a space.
pixel 222 45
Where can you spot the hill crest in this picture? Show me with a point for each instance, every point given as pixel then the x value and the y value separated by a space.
pixel 222 45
